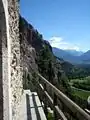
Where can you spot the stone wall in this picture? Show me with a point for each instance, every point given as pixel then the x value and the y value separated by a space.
pixel 10 71
pixel 16 76
pixel 4 86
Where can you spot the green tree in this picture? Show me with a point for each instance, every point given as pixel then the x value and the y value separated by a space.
pixel 44 58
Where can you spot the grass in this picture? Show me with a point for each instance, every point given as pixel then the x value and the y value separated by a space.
pixel 86 79
pixel 82 94
pixel 50 116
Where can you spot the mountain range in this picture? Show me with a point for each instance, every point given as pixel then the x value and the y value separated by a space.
pixel 73 56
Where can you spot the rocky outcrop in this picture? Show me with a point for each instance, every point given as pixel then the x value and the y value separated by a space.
pixel 37 55
pixel 28 52
pixel 31 42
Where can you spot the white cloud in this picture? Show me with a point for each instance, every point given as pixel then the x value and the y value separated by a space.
pixel 59 42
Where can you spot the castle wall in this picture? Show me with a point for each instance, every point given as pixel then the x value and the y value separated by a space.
pixel 10 71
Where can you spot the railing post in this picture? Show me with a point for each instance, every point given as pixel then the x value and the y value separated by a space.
pixel 40 92
pixel 55 104
pixel 45 102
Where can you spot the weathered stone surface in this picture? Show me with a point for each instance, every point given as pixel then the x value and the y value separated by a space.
pixel 16 76
pixel 10 69
pixel 4 94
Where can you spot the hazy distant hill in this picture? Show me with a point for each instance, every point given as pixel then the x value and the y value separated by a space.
pixel 86 57
pixel 72 56
pixel 74 52
pixel 67 56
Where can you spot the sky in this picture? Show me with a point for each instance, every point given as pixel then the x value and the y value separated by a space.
pixel 64 23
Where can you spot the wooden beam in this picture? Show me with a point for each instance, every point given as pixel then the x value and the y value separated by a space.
pixel 75 109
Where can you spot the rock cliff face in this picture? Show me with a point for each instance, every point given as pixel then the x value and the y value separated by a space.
pixel 10 71
pixel 31 43
pixel 37 55
pixel 28 53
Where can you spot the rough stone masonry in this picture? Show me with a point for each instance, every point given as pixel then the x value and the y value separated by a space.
pixel 11 89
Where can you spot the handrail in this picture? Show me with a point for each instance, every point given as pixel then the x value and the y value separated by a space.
pixel 51 104
pixel 75 109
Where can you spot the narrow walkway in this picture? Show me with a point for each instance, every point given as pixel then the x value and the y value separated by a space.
pixel 34 110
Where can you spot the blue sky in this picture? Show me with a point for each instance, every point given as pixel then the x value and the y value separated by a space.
pixel 65 23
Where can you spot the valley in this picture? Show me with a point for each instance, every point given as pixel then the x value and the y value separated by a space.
pixel 78 74
pixel 81 87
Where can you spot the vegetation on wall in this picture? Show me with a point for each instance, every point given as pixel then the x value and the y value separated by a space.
pixel 51 69
pixel 45 61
